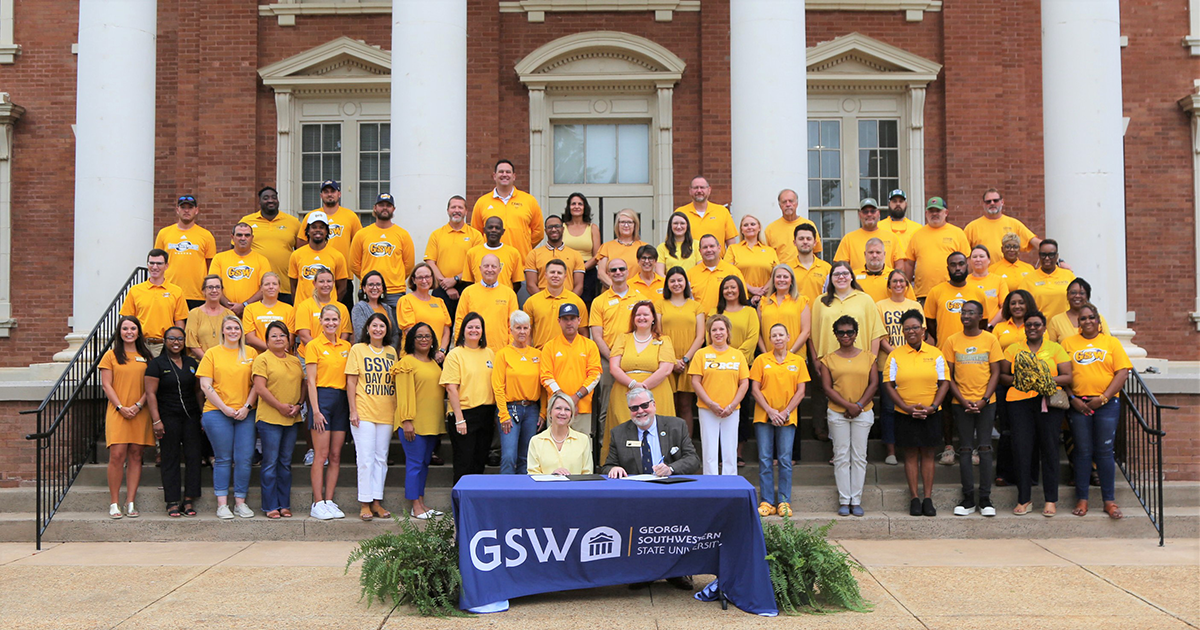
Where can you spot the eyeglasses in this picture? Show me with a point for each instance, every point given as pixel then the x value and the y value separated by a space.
pixel 991 201
pixel 645 405
pixel 844 333
pixel 616 269
pixel 841 274
pixel 173 338
pixel 910 329
pixel 425 337
pixel 1047 254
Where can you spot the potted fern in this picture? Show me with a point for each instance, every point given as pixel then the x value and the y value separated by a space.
pixel 417 566
pixel 808 572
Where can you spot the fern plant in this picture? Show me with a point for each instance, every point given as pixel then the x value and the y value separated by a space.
pixel 808 573
pixel 415 566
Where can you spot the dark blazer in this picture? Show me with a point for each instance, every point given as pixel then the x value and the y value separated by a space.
pixel 672 434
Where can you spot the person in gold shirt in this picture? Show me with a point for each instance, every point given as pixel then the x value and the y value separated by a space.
pixel 308 259
pixel 279 384
pixel 518 209
pixel 517 387
pixel 325 358
pixel 1048 283
pixel 1066 324
pixel 343 222
pixel 204 322
pixel 644 358
pixel 371 394
pixel 720 379
pixel 156 303
pixel 610 316
pixel 678 248
pixel 570 363
pixel 385 247
pixel 811 271
pixel 228 418
pixel 777 381
pixel 781 233
pixel 127 425
pixel 560 450
pixel 647 280
pixel 706 277
pixel 276 236
pixel 924 257
pixel 849 379
pixel 543 306
pixel 854 244
pixel 744 335
pixel 896 221
pixel 554 249
pixel 583 236
pixel 467 377
pixel 420 412
pixel 995 288
pixel 784 305
pixel 989 229
pixel 683 323
pixel 873 278
pixel 626 242
pixel 242 270
pixel 754 258
pixel 707 217
pixel 946 298
pixel 1010 267
pixel 973 357
pixel 190 249
pixel 511 262
pixel 491 299
pixel 899 301
pixel 446 252
pixel 845 297
pixel 269 309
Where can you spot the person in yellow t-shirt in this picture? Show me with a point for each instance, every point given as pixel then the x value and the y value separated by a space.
pixel 421 305
pixel 626 241
pixel 385 247
pixel 899 301
pixel 518 209
pixel 781 233
pixel 683 323
pixel 706 277
pixel 946 298
pixel 228 417
pixel 707 217
pixel 754 258
pixel 275 236
pixel 190 249
pixel 446 252
pixel 811 272
pixel 1066 324
pixel 925 254
pixel 989 229
pixel 849 379
pixel 853 246
pixel 204 322
pixel 127 425
pixel 420 412
pixel 467 377
pixel 844 297
pixel 784 305
pixel 995 288
pixel 343 222
pixel 1010 266
pixel 258 315
pixel 720 379
pixel 491 299
pixel 308 314
pixel 973 357
pixel 1099 368
pixel 678 248
pixel 517 388
pixel 896 222
pixel 307 260
pixel 777 381
pixel 1048 283
pixel 570 363
pixel 279 383
pixel 560 450
pixel 554 249
pixel 648 281
pixel 325 358
pixel 371 394
pixel 242 270
pixel 543 306
pixel 156 303
pixel 512 264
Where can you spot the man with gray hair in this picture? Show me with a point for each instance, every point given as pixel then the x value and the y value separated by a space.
pixel 649 443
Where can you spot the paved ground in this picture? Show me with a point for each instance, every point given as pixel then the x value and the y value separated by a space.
pixel 958 584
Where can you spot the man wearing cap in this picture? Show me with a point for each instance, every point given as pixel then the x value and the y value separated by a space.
pixel 491 299
pixel 318 255
pixel 446 252
pixel 706 277
pixel 512 267
pixel 570 363
pixel 544 305
pixel 536 259
pixel 385 247
pixel 781 233
pixel 241 270
pixel 897 221
pixel 707 217
pixel 156 303
pixel 519 210
pixel 854 245
pixel 343 225
pixel 988 229
pixel 924 258
pixel 276 236
pixel 189 248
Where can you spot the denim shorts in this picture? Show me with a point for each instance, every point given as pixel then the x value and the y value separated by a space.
pixel 334 407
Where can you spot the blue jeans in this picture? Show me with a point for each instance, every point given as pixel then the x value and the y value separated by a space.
pixel 771 439
pixel 514 445
pixel 1094 437
pixel 278 443
pixel 887 415
pixel 233 447
pixel 416 463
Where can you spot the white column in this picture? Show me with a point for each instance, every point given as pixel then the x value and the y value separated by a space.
pixel 1084 149
pixel 114 150
pixel 429 111
pixel 768 104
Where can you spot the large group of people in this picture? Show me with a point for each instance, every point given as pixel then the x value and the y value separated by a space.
pixel 534 337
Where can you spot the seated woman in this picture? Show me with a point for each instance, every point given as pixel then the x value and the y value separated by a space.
pixel 561 450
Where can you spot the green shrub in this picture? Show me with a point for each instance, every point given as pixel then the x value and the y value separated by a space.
pixel 808 573
pixel 416 566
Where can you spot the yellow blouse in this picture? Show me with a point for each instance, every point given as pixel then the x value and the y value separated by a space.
pixel 575 456
pixel 419 395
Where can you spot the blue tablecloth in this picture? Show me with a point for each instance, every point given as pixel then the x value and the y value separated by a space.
pixel 520 537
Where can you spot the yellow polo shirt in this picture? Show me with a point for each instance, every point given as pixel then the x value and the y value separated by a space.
pixel 611 312
pixel 448 248
pixel 720 373
pixel 810 281
pixel 411 310
pixel 388 251
pixel 241 276
pixel 570 366
pixel 989 232
pixel 787 311
pixel 778 381
pixel 308 317
pixel 781 234
pixel 512 266
pixel 285 381
pixel 706 283
pixel 1060 328
pixel 157 306
pixel 537 258
pixel 944 306
pixel 495 304
pixel 1013 273
pixel 853 248
pixel 668 260
pixel 420 396
pixel 306 262
pixel 875 285
pixel 916 373
pixel 850 377
pixel 1008 333
pixel 1049 291
pixel 543 313
pixel 1050 354
pixel 275 239
pixel 188 253
pixel 230 375
pixel 330 358
pixel 523 228
pixel 857 305
pixel 653 290
pixel 612 250
pixel 995 289
pixel 1094 362
pixel 256 317
pixel 471 370
pixel 716 221
pixel 972 358
pixel 755 263
pixel 516 375
pixel 343 225
pixel 928 248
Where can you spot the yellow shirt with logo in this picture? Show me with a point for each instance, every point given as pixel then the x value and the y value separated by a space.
pixel 944 306
pixel 857 305
pixel 516 375
pixel 375 392
pixel 537 258
pixel 916 373
pixel 781 234
pixel 471 370
pixel 285 381
pixel 972 358
pixel 706 283
pixel 512 267
pixel 571 366
pixel 231 375
pixel 1007 333
pixel 928 248
pixel 343 225
pixel 989 232
pixel 904 228
pixel 420 396
pixel 241 276
pixel 778 381
pixel 890 313
pixel 275 240
pixel 720 372
pixel 388 251
pixel 1060 328
pixel 1094 362
pixel 330 358
pixel 523 224
pixel 611 312
pixel 716 221
pixel 1049 291
pixel 157 306
pixel 995 289
pixel 875 285
pixel 308 317
pixel 668 261
pixel 1013 273
pixel 306 262
pixel 411 310
pixel 543 314
pixel 495 304
pixel 787 311
pixel 256 317
pixel 1050 354
pixel 448 248
pixel 653 290
pixel 853 248
pixel 755 263
pixel 810 281
pixel 850 377
pixel 188 253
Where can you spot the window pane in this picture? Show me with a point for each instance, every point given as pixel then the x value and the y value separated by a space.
pixel 310 168
pixel 385 167
pixel 331 166
pixel 868 133
pixel 831 192
pixel 385 136
pixel 368 138
pixel 831 134
pixel 814 134
pixel 888 133
pixel 633 154
pixel 568 154
pixel 368 166
pixel 367 193
pixel 601 146
pixel 311 138
pixel 374 163
pixel 830 222
pixel 814 164
pixel 311 196
pixel 831 164
pixel 825 164
pixel 814 193
pixel 868 161
pixel 331 138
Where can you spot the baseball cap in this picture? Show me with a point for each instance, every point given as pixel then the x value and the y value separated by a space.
pixel 568 310
pixel 318 216
pixel 186 199
pixel 385 198
pixel 936 202
pixel 869 201
pixel 329 183
pixel 897 193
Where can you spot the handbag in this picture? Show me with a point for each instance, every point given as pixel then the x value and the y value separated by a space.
pixel 1059 400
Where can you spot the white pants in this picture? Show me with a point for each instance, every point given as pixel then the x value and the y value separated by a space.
pixel 716 431
pixel 850 453
pixel 371 443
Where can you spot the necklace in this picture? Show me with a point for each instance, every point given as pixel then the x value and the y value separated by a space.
pixel 377 352
pixel 624 243
pixel 648 337
pixel 558 442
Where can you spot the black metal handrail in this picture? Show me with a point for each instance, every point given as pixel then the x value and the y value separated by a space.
pixel 1139 447
pixel 71 417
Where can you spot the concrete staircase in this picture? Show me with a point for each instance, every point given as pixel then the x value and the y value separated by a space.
pixel 83 514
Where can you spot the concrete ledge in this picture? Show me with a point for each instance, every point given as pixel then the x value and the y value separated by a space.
pixel 1180 377
pixel 30 383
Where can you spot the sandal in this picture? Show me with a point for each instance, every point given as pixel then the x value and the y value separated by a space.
pixel 365 512
pixel 188 509
pixel 1081 508
pixel 1049 510
pixel 378 510
pixel 285 513
pixel 1114 512
pixel 1023 508
pixel 272 514
pixel 173 510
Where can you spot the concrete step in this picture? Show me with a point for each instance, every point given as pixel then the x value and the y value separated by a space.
pixel 97 527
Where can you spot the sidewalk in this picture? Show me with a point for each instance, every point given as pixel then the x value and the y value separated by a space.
pixel 959 584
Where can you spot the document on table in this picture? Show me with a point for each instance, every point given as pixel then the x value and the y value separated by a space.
pixel 548 478
pixel 641 477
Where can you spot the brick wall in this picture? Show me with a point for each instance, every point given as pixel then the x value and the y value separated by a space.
pixel 16 453
pixel 1181 447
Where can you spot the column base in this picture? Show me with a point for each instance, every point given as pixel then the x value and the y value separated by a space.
pixel 1137 355
pixel 74 343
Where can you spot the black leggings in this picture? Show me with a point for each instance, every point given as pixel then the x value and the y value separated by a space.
pixel 1030 425
pixel 471 450
pixel 181 436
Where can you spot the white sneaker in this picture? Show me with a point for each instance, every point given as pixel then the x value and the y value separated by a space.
pixel 319 511
pixel 947 457
pixel 334 510
pixel 243 510
pixel 891 460
pixel 975 457
pixel 224 513
pixel 308 457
